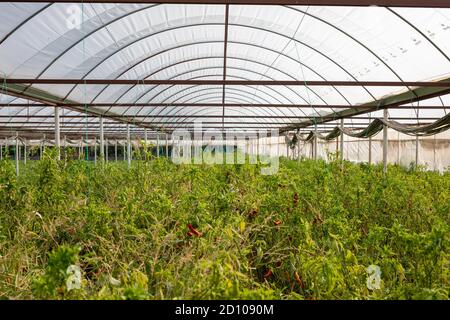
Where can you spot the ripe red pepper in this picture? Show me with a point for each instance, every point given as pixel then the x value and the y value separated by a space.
pixel 299 280
pixel 194 231
pixel 268 274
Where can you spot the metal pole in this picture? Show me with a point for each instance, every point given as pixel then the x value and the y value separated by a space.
pixel 17 153
pixel 42 148
pixel 370 150
pixel 315 142
pixel 124 151
pixel 145 143
pixel 102 140
pixel 157 143
pixel 65 145
pixel 1 151
pixel 80 148
pixel 257 147
pixel 106 149
pixel 57 133
pixel 95 150
pixel 298 154
pixel 129 145
pixel 24 151
pixel 341 154
pixel 385 140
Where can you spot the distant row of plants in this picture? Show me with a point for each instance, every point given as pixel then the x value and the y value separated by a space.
pixel 72 230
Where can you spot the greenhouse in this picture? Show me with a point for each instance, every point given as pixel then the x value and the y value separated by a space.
pixel 229 149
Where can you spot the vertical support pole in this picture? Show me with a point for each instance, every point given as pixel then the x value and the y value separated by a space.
pixel 115 151
pixel 25 151
pixel 17 153
pixel 398 147
pixel 6 148
pixel 257 147
pixel 385 140
pixel 145 143
pixel 1 152
pixel 315 142
pixel 95 150
pixel 417 151
pixel 106 149
pixel 341 154
pixel 370 150
pixel 167 146
pixel 65 145
pixel 41 148
pixel 57 133
pixel 157 144
pixel 102 140
pixel 298 154
pixel 124 151
pixel 128 146
pixel 80 149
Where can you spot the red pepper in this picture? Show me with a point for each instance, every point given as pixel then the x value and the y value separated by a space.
pixel 268 274
pixel 194 231
pixel 277 222
pixel 299 280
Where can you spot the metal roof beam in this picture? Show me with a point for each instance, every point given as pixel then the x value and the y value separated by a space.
pixel 365 3
pixel 425 84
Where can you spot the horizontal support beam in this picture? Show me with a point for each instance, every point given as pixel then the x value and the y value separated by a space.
pixel 424 84
pixel 365 3
pixel 330 118
pixel 212 105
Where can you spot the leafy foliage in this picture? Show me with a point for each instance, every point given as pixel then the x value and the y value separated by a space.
pixel 307 232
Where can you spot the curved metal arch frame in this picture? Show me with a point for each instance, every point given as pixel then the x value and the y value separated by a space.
pixel 209 42
pixel 210 89
pixel 218 67
pixel 217 57
pixel 248 60
pixel 263 48
pixel 29 18
pixel 190 87
pixel 24 22
pixel 204 89
pixel 241 92
pixel 142 38
pixel 280 121
pixel 177 120
pixel 221 41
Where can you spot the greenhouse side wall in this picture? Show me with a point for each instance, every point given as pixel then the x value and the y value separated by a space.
pixel 433 152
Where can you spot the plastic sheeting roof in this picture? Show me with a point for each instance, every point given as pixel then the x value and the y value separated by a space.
pixel 173 41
